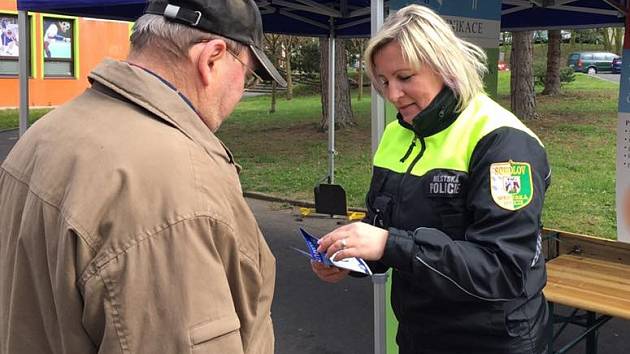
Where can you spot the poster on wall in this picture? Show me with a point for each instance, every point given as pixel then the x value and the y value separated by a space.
pixel 57 38
pixel 9 36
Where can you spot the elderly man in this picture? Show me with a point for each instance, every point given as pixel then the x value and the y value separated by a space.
pixel 122 223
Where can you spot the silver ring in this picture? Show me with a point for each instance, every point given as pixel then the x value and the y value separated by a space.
pixel 343 244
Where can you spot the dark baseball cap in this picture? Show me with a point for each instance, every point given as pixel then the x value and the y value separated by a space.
pixel 238 20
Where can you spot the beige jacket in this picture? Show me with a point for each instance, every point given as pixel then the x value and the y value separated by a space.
pixel 123 230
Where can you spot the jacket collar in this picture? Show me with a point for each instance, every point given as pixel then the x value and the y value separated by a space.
pixel 150 92
pixel 437 116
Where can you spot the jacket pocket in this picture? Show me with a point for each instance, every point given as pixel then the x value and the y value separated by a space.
pixel 220 335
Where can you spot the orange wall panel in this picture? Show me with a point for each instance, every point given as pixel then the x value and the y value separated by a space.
pixel 98 39
pixel 8 5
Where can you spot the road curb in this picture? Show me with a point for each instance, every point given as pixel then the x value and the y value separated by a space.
pixel 294 202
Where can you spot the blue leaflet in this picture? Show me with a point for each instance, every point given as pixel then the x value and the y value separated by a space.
pixel 311 244
pixel 353 263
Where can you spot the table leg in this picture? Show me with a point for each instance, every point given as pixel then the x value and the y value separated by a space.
pixel 591 339
pixel 550 324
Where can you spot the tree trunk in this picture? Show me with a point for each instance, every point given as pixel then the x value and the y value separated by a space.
pixel 523 97
pixel 606 34
pixel 289 48
pixel 552 78
pixel 273 43
pixel 360 80
pixel 618 35
pixel 273 97
pixel 343 108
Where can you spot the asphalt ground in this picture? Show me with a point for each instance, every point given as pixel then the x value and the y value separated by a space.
pixel 609 77
pixel 313 317
pixel 8 138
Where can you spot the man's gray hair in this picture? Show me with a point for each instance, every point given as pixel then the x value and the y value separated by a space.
pixel 426 39
pixel 172 40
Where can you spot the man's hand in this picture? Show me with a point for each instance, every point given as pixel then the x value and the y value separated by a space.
pixel 328 274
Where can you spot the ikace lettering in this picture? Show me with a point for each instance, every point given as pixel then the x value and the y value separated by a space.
pixel 511 184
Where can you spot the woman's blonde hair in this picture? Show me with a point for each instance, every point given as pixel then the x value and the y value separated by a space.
pixel 426 39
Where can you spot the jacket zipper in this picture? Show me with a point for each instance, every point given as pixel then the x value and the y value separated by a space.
pixel 409 150
pixel 423 147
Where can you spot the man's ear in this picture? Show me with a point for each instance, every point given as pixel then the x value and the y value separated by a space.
pixel 209 59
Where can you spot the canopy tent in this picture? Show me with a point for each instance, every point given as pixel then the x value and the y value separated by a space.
pixel 561 14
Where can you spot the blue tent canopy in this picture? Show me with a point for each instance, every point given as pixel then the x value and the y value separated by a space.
pixel 126 10
pixel 352 17
pixel 306 17
pixel 526 15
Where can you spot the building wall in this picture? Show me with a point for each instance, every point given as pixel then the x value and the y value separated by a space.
pixel 93 41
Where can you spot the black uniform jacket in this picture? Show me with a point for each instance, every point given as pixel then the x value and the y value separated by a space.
pixel 461 195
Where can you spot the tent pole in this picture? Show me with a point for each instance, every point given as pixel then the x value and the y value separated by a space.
pixel 379 281
pixel 378 104
pixel 23 59
pixel 331 103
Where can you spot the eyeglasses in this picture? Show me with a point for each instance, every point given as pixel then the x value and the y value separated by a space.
pixel 252 79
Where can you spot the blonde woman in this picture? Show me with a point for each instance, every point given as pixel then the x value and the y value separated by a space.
pixel 455 201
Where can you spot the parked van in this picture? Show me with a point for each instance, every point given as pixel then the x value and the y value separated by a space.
pixel 591 62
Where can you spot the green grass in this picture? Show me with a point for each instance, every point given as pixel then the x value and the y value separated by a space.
pixel 9 118
pixel 285 155
pixel 579 131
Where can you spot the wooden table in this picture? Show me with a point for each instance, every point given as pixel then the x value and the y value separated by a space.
pixel 594 285
pixel 589 284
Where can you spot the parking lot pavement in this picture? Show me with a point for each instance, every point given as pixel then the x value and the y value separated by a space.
pixel 311 316
pixel 609 77
pixel 8 138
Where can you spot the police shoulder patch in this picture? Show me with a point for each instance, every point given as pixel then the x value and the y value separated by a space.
pixel 511 184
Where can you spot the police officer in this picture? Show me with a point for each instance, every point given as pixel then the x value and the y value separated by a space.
pixel 455 201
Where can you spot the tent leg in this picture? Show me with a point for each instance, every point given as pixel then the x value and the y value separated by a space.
pixel 380 340
pixel 331 104
pixel 378 104
pixel 23 59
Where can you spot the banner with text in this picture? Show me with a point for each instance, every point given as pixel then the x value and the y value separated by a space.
pixel 623 145
pixel 476 21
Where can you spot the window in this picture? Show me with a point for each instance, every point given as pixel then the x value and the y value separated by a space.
pixel 58 50
pixel 9 48
pixel 598 56
pixel 587 57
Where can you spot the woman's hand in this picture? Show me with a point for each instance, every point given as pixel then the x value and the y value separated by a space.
pixel 355 240
pixel 329 274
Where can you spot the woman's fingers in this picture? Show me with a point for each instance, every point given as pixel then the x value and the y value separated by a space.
pixel 354 240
